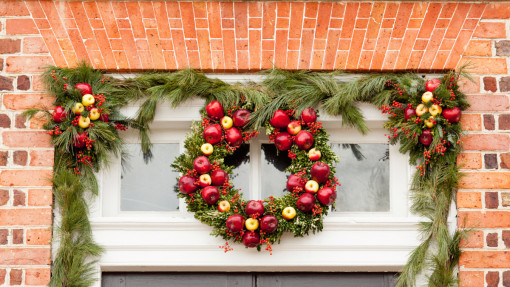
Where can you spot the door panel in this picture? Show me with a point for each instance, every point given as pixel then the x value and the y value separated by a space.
pixel 275 279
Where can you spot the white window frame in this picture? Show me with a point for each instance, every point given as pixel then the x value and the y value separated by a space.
pixel 175 241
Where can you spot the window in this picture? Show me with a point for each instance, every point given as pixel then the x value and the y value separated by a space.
pixel 143 227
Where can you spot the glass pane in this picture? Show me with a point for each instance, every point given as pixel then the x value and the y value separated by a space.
pixel 272 170
pixel 241 160
pixel 149 186
pixel 364 172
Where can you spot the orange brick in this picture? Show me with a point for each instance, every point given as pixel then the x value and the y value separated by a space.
pixel 40 197
pixel 20 27
pixel 474 239
pixel 37 122
pixel 26 139
pixel 296 19
pixel 471 122
pixel 470 86
pixel 485 259
pixel 27 64
pixel 488 103
pixel 497 11
pixel 25 256
pixel 25 216
pixel 241 19
pixel 471 279
pixel 469 200
pixel 470 160
pixel 34 45
pixel 488 180
pixel 39 236
pixel 13 8
pixel 25 178
pixel 41 158
pixel 486 142
pixel 27 101
pixel 39 276
pixel 485 65
pixel 490 30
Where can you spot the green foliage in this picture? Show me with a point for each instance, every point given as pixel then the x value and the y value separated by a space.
pixel 433 186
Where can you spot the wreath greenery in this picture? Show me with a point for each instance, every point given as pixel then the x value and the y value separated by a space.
pixel 433 145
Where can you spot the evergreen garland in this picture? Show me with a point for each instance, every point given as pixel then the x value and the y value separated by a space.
pixel 433 186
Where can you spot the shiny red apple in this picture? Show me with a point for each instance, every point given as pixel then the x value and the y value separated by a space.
pixel 84 88
pixel 202 165
pixel 212 134
pixel 254 208
pixel 426 137
pixel 432 84
pixel 241 117
pixel 452 115
pixel 295 181
pixel 104 117
pixel 326 196
pixel 283 141
pixel 305 202
pixel 320 172
pixel 251 239
pixel 308 115
pixel 187 184
pixel 210 194
pixel 235 223
pixel 408 113
pixel 219 177
pixel 280 119
pixel 214 110
pixel 59 114
pixel 268 223
pixel 234 137
pixel 80 140
pixel 304 140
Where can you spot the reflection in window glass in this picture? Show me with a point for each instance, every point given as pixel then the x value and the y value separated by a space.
pixel 272 169
pixel 149 186
pixel 363 171
pixel 240 159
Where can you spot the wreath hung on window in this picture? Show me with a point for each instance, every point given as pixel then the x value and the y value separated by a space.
pixel 215 201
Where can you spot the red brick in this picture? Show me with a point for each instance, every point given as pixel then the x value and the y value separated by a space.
pixel 470 86
pixel 470 122
pixel 471 279
pixel 23 216
pixel 469 160
pixel 17 236
pixel 469 200
pixel 25 177
pixel 26 64
pixel 26 139
pixel 474 239
pixel 27 101
pixel 488 103
pixel 4 233
pixel 39 276
pixel 492 278
pixel 3 273
pixel 479 48
pixel 20 27
pixel 39 197
pixel 490 30
pixel 497 11
pixel 10 46
pixel 492 240
pixel 41 158
pixel 505 160
pixel 486 142
pixel 485 259
pixel 4 196
pixel 20 157
pixel 39 236
pixel 485 65
pixel 487 180
pixel 13 8
pixel 25 256
pixel 15 277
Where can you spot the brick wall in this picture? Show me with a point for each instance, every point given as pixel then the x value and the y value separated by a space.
pixel 238 37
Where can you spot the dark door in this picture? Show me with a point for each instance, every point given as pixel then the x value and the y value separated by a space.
pixel 185 279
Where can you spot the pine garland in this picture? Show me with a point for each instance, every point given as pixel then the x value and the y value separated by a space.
pixel 433 186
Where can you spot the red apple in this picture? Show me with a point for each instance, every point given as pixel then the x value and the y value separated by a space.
pixel 432 84
pixel 214 110
pixel 408 113
pixel 326 196
pixel 104 117
pixel 426 137
pixel 235 223
pixel 84 88
pixel 308 115
pixel 212 134
pixel 268 223
pixel 283 141
pixel 234 137
pixel 210 194
pixel 80 140
pixel 280 119
pixel 295 181
pixel 320 172
pixel 187 184
pixel 219 177
pixel 241 117
pixel 294 127
pixel 305 202
pixel 251 239
pixel 202 165
pixel 254 208
pixel 452 115
pixel 59 114
pixel 304 140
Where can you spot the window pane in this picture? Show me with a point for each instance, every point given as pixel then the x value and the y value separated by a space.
pixel 241 160
pixel 149 186
pixel 363 171
pixel 272 170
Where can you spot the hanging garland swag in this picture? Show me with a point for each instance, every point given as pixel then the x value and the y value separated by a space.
pixel 85 126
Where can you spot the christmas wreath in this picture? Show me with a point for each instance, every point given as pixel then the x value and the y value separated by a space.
pixel 211 196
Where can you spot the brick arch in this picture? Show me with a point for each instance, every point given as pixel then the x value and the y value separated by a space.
pixel 242 36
